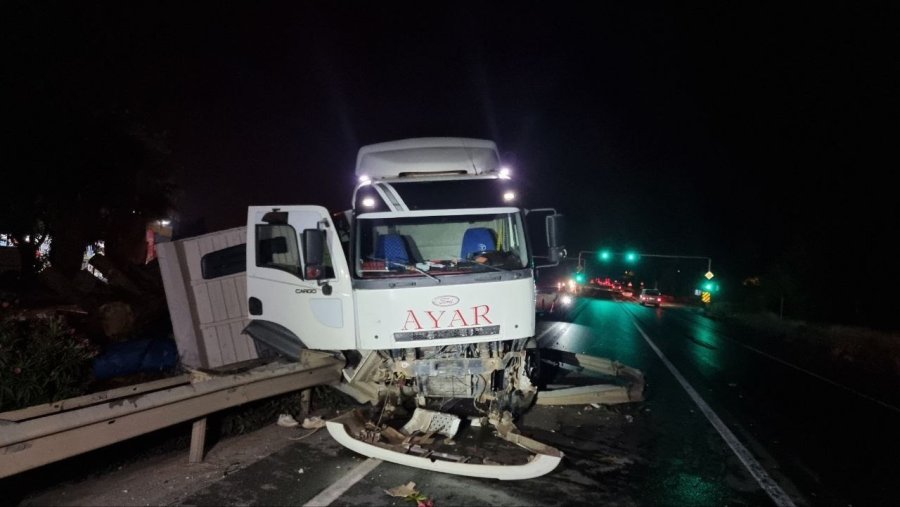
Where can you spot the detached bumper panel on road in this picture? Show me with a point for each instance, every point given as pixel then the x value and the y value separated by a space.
pixel 539 465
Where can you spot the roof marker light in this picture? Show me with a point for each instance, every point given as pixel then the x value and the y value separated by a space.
pixel 364 179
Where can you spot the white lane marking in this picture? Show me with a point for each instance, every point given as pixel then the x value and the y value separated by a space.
pixel 340 486
pixel 812 374
pixel 756 470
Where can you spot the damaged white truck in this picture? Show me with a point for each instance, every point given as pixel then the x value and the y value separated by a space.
pixel 427 288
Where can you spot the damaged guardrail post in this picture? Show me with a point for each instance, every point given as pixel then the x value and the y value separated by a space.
pixel 198 441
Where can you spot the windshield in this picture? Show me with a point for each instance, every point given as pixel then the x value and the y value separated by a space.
pixel 439 245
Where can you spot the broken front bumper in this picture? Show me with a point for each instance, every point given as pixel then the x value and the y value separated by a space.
pixel 543 460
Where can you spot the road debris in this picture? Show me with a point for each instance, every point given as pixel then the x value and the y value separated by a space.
pixel 408 491
pixel 403 490
pixel 313 422
pixel 430 422
pixel 287 421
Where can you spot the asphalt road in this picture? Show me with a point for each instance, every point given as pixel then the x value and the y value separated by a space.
pixel 727 420
pixel 821 440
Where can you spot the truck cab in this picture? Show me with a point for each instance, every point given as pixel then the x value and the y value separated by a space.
pixel 430 277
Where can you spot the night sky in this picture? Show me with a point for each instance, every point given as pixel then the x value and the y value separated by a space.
pixel 744 133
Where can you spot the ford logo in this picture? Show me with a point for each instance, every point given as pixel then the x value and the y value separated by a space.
pixel 445 300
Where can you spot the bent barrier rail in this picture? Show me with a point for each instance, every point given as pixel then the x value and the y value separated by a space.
pixel 43 434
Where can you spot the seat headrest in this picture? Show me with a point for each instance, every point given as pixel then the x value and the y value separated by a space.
pixel 477 239
pixel 392 248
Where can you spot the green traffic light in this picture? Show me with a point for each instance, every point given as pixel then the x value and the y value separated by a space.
pixel 631 257
pixel 605 255
pixel 710 287
pixel 580 277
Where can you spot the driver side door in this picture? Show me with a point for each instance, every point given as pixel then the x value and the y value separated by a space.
pixel 288 296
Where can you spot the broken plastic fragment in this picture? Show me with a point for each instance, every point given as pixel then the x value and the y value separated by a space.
pixel 313 422
pixel 287 421
pixel 429 421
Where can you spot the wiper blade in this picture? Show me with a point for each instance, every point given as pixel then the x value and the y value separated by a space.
pixel 473 263
pixel 388 264
pixel 420 270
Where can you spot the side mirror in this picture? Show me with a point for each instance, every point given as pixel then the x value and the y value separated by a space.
pixel 557 254
pixel 555 235
pixel 313 253
pixel 553 231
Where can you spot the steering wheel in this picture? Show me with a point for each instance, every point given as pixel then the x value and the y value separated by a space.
pixel 491 257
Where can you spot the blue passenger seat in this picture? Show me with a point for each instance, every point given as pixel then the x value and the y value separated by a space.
pixel 392 249
pixel 477 239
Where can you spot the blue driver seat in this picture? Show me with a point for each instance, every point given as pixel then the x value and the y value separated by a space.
pixel 477 239
pixel 392 248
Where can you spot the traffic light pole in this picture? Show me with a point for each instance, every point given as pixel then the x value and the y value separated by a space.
pixel 580 263
pixel 708 259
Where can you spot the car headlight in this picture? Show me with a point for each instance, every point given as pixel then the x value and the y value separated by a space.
pixel 566 300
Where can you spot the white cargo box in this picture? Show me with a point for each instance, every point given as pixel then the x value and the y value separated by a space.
pixel 208 314
pixel 427 155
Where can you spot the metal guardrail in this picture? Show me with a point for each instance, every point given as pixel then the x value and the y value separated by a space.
pixel 43 434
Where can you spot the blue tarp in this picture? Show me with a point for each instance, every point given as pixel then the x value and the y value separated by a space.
pixel 136 356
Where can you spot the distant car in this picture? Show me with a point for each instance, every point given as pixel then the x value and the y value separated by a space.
pixel 650 297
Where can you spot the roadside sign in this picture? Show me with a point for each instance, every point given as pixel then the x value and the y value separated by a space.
pixel 709 275
pixel 706 298
pixel 697 292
